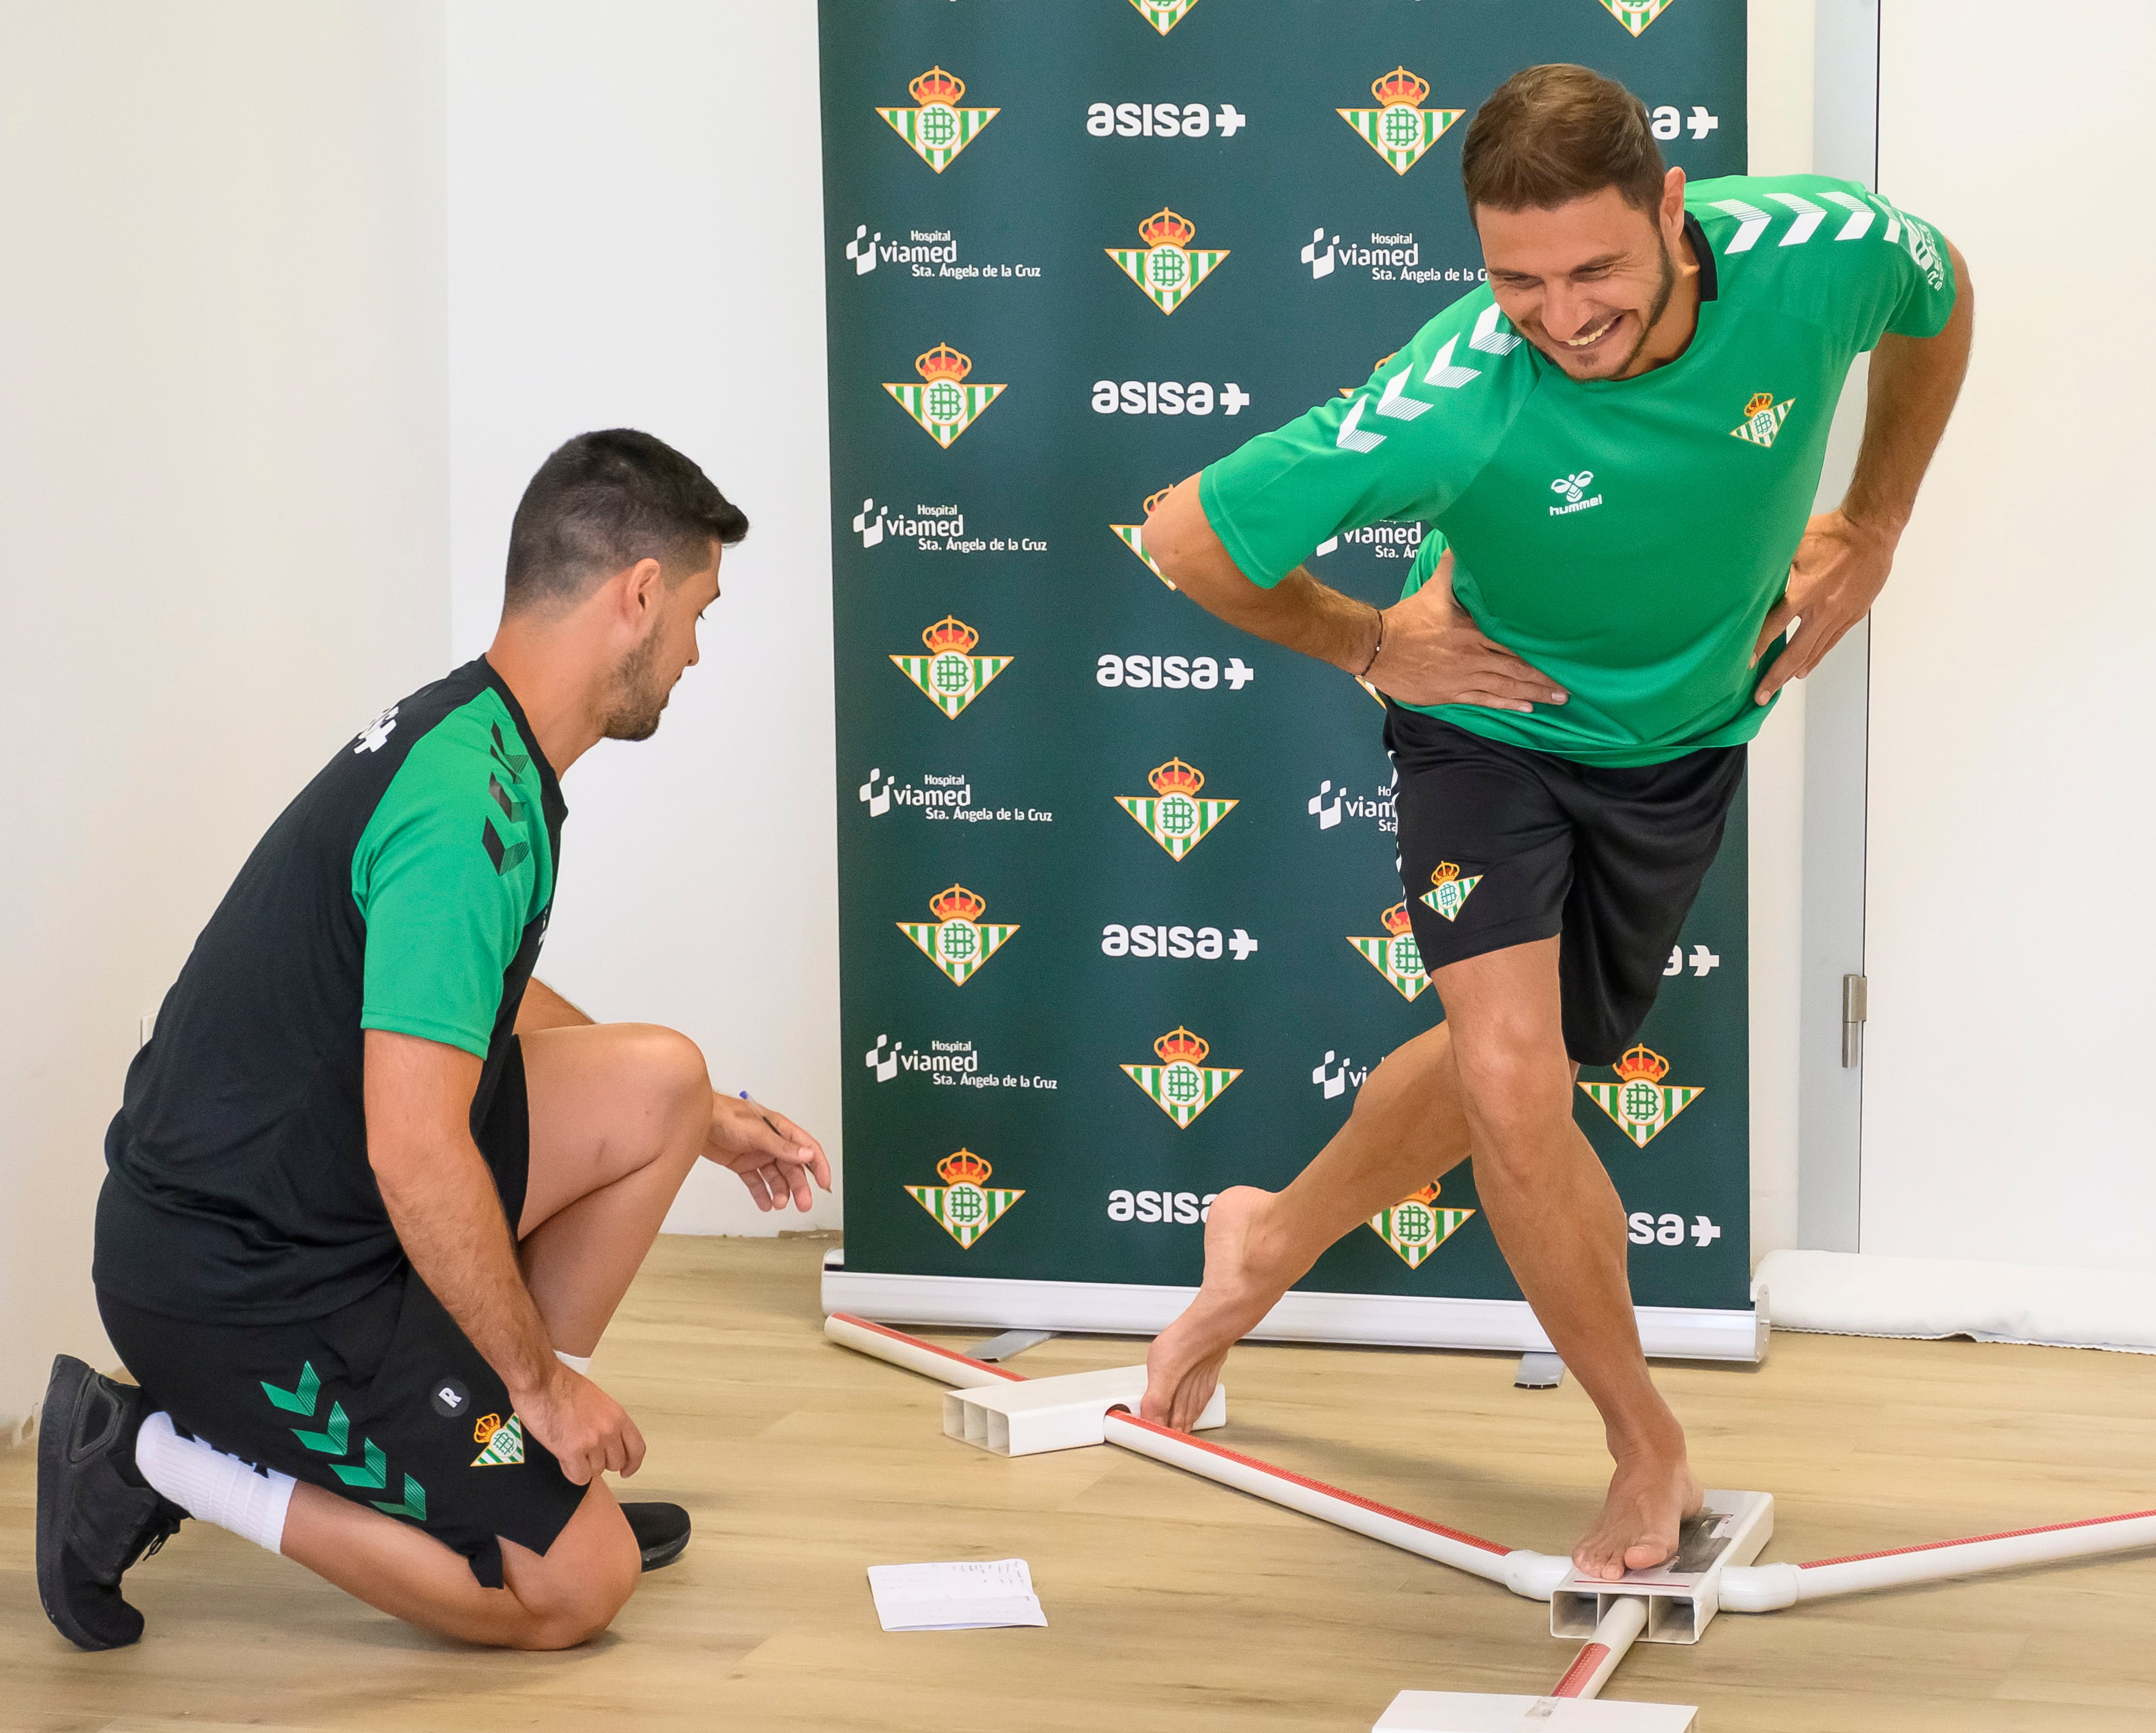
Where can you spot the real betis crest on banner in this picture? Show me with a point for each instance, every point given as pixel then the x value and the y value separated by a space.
pixel 1174 817
pixel 942 404
pixel 1639 1103
pixel 1163 15
pixel 1181 1085
pixel 1635 15
pixel 950 676
pixel 964 1206
pixel 1132 536
pixel 1167 268
pixel 938 129
pixel 1762 418
pixel 1400 128
pixel 1415 1227
pixel 1396 957
pixel 502 1444
pixel 959 941
pixel 1448 890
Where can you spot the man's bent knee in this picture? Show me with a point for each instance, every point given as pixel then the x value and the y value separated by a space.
pixel 574 1591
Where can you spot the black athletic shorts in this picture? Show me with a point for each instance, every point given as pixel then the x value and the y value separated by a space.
pixel 1501 846
pixel 385 1401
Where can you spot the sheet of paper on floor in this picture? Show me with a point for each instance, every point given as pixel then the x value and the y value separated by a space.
pixel 971 1595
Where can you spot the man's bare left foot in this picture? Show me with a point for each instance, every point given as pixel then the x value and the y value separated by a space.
pixel 1651 1494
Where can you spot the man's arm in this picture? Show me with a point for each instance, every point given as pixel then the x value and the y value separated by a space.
pixel 441 1202
pixel 1423 650
pixel 543 1008
pixel 1843 562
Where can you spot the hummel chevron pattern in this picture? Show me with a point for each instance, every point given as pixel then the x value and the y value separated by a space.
pixel 1400 409
pixel 1809 216
pixel 1860 221
pixel 1351 436
pixel 1488 338
pixel 1443 371
pixel 1752 221
pixel 371 1472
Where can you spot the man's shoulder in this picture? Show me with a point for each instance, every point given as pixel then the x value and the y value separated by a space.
pixel 1789 239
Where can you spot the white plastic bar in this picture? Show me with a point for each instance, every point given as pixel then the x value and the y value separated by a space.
pixel 1029 1416
pixel 1927 1563
pixel 915 1354
pixel 1598 1657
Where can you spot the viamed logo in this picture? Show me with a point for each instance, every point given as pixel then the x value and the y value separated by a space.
pixel 1640 1103
pixel 1635 15
pixel 938 129
pixel 1132 535
pixel 1448 891
pixel 1166 268
pixel 950 676
pixel 1163 15
pixel 1400 128
pixel 958 942
pixel 1173 815
pixel 1396 957
pixel 1181 1085
pixel 1415 1229
pixel 943 404
pixel 964 1207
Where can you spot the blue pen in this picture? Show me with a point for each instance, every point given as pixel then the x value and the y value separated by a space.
pixel 764 1116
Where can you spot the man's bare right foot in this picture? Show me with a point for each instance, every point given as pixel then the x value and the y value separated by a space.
pixel 1183 1365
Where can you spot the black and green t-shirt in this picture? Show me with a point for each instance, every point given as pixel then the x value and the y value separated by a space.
pixel 1625 537
pixel 407 887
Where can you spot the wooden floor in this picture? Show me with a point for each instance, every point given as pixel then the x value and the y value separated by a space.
pixel 1174 1604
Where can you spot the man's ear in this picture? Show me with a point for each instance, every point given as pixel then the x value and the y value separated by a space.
pixel 642 587
pixel 1673 210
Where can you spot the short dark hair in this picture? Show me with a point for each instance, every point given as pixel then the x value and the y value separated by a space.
pixel 605 500
pixel 1553 134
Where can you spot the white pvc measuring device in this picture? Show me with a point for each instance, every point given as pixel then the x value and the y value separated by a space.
pixel 1713 1571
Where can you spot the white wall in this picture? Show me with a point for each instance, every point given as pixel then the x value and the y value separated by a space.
pixel 2012 936
pixel 224 525
pixel 636 238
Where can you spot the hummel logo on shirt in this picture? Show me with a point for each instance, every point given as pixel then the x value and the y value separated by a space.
pixel 1574 487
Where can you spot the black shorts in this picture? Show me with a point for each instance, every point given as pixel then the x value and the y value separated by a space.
pixel 384 1402
pixel 1501 846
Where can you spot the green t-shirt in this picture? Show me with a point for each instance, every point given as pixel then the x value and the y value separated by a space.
pixel 1627 537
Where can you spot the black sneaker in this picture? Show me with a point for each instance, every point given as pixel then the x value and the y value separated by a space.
pixel 661 1530
pixel 96 1515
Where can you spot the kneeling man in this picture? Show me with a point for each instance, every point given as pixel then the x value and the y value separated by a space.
pixel 373 1194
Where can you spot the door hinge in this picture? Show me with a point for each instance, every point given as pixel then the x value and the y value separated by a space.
pixel 1854 997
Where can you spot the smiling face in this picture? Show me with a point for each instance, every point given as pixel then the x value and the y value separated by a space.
pixel 1592 283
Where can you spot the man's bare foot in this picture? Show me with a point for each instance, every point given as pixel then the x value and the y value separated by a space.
pixel 1184 1362
pixel 1651 1494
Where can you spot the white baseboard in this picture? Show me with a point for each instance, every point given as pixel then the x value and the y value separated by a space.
pixel 1869 1293
pixel 1390 1320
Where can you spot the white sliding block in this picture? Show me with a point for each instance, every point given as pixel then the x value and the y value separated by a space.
pixel 1684 1595
pixel 1465 1712
pixel 1023 1419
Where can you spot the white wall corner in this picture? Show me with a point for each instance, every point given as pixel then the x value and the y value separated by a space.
pixel 1778 85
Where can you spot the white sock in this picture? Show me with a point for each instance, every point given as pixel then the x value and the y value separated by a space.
pixel 211 1486
pixel 580 1364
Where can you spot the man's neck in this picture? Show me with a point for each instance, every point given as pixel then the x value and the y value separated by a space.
pixel 1674 330
pixel 554 695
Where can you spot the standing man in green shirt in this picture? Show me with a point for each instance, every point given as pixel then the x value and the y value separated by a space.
pixel 373 1192
pixel 1615 446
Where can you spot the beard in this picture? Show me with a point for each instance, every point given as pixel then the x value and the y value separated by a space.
pixel 1663 290
pixel 635 698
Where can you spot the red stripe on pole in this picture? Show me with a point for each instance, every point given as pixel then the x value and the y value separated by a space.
pixel 2048 1528
pixel 1581 1670
pixel 915 1341
pixel 1304 1480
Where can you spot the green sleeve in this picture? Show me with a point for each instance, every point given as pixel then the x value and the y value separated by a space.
pixel 1406 445
pixel 444 876
pixel 1885 270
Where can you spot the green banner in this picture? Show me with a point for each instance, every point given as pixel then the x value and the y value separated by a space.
pixel 1120 915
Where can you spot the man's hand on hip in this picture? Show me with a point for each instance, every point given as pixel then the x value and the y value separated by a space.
pixel 1432 652
pixel 1840 567
pixel 587 1430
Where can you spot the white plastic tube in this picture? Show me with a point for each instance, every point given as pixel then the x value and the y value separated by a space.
pixel 942 1364
pixel 1927 1563
pixel 1599 1656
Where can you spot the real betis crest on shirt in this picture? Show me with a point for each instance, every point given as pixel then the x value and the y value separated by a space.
pixel 1639 1103
pixel 1635 15
pixel 1400 128
pixel 938 129
pixel 1448 891
pixel 1167 267
pixel 1174 817
pixel 1415 1227
pixel 964 1206
pixel 1181 1085
pixel 1396 957
pixel 1132 536
pixel 950 676
pixel 1163 15
pixel 959 941
pixel 501 1442
pixel 1762 418
pixel 942 404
